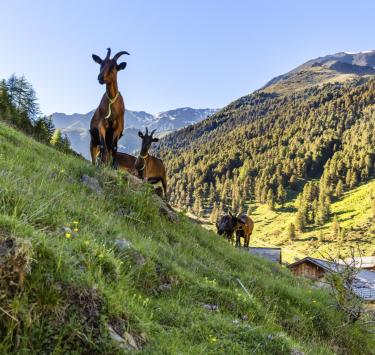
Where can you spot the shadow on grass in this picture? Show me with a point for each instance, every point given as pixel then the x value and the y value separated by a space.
pixel 290 209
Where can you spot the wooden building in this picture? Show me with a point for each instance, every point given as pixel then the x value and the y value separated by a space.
pixel 316 269
pixel 311 268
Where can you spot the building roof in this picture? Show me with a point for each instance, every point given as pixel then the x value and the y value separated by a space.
pixel 363 262
pixel 272 254
pixel 363 286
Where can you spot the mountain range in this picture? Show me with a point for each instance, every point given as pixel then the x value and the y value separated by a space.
pixel 76 126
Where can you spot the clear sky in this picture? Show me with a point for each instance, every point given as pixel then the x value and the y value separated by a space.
pixel 198 53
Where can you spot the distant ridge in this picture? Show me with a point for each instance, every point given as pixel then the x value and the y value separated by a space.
pixel 76 126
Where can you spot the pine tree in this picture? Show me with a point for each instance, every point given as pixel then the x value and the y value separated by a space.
pixel 339 189
pixel 56 138
pixel 354 180
pixel 300 222
pixel 335 227
pixel 291 232
pixel 59 141
pixel 293 182
pixel 197 207
pixel 270 200
pixel 281 195
pixel 214 214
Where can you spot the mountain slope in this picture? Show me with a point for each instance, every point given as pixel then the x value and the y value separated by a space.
pixel 264 147
pixel 339 67
pixel 76 126
pixel 129 272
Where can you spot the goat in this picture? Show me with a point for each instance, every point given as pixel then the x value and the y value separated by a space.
pixel 126 162
pixel 150 168
pixel 245 227
pixel 107 124
pixel 242 225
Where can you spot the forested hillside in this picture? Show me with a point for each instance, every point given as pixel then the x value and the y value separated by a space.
pixel 264 147
pixel 19 107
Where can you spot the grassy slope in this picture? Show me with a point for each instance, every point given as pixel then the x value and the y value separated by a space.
pixel 77 286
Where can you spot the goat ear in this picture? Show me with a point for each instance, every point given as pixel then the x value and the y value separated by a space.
pixel 155 139
pixel 121 66
pixel 97 59
pixel 140 134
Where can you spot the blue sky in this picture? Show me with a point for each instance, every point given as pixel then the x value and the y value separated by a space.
pixel 198 53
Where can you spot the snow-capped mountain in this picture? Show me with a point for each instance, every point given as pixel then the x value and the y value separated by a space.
pixel 76 126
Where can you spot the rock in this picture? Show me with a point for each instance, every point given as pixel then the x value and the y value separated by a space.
pixel 126 344
pixel 126 250
pixel 91 183
pixel 211 307
pixel 131 341
pixel 165 287
pixel 66 229
pixel 296 352
pixel 133 180
pixel 168 212
pixel 122 244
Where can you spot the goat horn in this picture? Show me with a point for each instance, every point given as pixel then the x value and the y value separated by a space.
pixel 153 132
pixel 119 54
pixel 108 53
pixel 146 131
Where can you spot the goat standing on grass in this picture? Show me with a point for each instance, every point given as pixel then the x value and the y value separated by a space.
pixel 150 168
pixel 107 124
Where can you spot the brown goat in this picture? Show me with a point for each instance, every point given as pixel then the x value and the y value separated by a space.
pixel 244 229
pixel 107 124
pixel 126 162
pixel 150 168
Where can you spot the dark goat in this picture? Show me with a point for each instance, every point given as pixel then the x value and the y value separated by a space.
pixel 242 225
pixel 107 124
pixel 150 168
pixel 126 162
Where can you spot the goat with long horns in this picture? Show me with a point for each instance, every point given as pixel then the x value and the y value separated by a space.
pixel 107 124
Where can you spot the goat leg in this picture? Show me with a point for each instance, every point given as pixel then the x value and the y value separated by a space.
pixel 114 154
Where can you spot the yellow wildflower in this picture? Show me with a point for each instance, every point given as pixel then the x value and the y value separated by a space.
pixel 100 255
pixel 68 235
pixel 75 222
pixel 75 229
